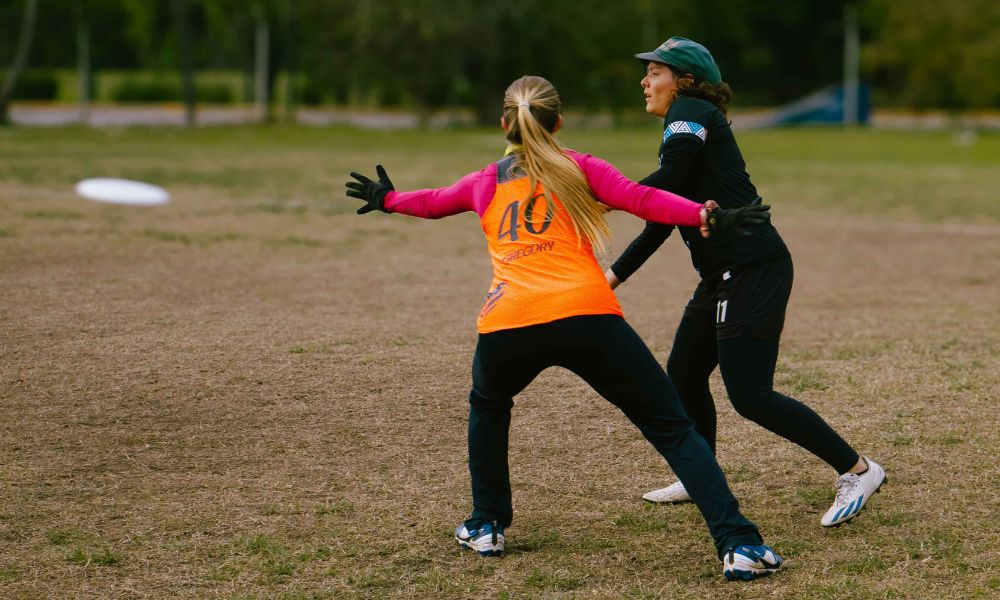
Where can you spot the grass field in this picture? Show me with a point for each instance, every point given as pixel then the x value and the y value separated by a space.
pixel 254 393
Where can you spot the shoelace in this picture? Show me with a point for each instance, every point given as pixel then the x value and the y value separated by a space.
pixel 845 486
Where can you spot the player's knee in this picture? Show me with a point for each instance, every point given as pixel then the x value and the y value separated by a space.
pixel 667 436
pixel 485 400
pixel 749 403
pixel 680 372
pixel 687 374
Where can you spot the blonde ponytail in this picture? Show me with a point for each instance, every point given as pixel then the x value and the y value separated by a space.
pixel 531 108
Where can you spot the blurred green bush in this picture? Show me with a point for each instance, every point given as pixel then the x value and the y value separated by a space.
pixel 37 85
pixel 163 90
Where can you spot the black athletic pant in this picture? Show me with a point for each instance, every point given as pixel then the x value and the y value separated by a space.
pixel 608 355
pixel 737 327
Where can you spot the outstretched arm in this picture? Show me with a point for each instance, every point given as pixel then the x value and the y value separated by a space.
pixel 437 202
pixel 611 187
pixel 427 204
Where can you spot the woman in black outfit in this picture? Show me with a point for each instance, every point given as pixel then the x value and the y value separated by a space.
pixel 735 317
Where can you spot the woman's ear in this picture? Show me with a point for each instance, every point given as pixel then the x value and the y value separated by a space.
pixel 503 123
pixel 558 124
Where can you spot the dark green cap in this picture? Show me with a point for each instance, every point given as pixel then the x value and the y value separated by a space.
pixel 688 56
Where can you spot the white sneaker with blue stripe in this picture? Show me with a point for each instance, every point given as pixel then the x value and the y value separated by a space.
pixel 853 492
pixel 487 539
pixel 750 562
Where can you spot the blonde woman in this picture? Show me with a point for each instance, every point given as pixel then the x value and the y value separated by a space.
pixel 542 210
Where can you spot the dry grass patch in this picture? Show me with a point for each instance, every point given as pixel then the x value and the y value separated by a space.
pixel 253 393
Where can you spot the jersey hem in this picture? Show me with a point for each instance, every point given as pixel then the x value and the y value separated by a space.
pixel 530 322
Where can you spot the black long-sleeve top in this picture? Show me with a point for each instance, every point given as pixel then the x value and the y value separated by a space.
pixel 700 160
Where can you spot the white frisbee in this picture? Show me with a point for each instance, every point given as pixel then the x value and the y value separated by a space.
pixel 122 191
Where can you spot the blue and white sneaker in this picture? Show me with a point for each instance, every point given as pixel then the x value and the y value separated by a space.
pixel 853 492
pixel 750 562
pixel 487 539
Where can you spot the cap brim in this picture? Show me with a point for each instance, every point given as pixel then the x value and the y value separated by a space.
pixel 649 56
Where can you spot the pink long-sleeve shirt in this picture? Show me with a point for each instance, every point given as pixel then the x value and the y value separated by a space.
pixel 475 192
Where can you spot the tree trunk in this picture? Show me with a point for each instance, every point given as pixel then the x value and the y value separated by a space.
pixel 262 51
pixel 290 60
pixel 187 71
pixel 20 59
pixel 83 70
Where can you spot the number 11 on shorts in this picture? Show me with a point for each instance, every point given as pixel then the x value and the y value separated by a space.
pixel 720 311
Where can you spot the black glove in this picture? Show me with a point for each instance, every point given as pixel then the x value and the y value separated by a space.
pixel 372 192
pixel 738 220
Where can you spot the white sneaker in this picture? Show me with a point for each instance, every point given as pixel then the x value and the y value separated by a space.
pixel 750 562
pixel 853 492
pixel 674 492
pixel 487 540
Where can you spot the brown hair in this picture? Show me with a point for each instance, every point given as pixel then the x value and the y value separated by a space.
pixel 719 94
pixel 531 108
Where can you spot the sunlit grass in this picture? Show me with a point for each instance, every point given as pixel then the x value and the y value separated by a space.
pixel 906 175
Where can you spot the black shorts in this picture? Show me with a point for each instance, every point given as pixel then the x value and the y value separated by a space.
pixel 750 299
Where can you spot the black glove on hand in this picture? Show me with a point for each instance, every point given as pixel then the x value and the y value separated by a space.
pixel 372 192
pixel 738 220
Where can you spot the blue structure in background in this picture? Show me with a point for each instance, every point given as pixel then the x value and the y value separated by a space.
pixel 823 106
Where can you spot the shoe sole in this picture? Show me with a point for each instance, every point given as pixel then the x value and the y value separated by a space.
pixel 885 479
pixel 665 501
pixel 491 552
pixel 671 501
pixel 741 575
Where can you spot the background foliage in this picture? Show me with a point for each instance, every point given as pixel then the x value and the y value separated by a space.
pixel 426 54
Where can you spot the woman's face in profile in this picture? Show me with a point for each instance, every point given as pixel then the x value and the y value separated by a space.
pixel 658 86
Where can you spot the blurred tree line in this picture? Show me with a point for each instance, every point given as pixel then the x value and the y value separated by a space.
pixel 427 54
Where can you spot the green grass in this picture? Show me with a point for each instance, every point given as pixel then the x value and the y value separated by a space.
pixel 912 175
pixel 63 537
pixel 167 236
pixel 801 380
pixel 276 562
pixel 58 215
pixel 560 581
pixel 907 175
pixel 101 557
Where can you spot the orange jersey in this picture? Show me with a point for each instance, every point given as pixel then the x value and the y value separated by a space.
pixel 542 271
